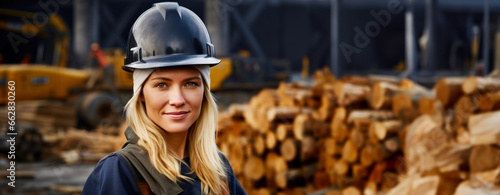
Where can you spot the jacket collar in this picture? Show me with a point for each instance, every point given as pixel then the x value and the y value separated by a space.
pixel 138 157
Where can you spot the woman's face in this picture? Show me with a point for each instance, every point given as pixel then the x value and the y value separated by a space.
pixel 173 97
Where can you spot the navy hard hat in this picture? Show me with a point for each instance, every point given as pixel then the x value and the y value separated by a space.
pixel 168 35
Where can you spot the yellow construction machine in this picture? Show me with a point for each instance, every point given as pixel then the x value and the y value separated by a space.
pixel 48 77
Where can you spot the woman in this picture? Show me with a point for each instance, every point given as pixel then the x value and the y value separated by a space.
pixel 172 115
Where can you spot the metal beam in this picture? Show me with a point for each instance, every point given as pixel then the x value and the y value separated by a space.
pixel 250 17
pixel 431 11
pixel 254 44
pixel 95 18
pixel 410 41
pixel 334 58
pixel 124 19
pixel 497 48
pixel 486 38
pixel 448 5
pixel 108 16
pixel 81 31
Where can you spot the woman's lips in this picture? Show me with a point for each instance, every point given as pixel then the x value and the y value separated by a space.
pixel 177 115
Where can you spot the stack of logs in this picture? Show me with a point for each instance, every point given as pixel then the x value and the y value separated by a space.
pixel 46 130
pixel 364 135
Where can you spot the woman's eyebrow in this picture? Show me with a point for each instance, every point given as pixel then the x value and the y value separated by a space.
pixel 161 78
pixel 168 79
pixel 193 78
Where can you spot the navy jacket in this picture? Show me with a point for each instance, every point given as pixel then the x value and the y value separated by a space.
pixel 112 175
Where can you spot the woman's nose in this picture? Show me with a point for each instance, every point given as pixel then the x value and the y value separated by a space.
pixel 177 97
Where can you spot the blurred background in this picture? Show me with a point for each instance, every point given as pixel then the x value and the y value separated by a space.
pixel 65 57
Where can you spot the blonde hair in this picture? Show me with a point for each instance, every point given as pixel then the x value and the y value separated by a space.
pixel 205 160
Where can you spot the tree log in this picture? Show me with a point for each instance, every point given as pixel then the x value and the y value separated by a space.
pixel 417 91
pixel 485 179
pixel 256 118
pixel 339 131
pixel 403 188
pixel 259 144
pixel 236 157
pixel 419 137
pixel 349 152
pixel 265 98
pixel 320 129
pixel 480 85
pixel 309 149
pixel 489 101
pixel 323 76
pixel 348 93
pixel 465 106
pixel 341 167
pixel 236 111
pixel 366 156
pixel 283 131
pixel 362 123
pixel 432 107
pixel 270 140
pixel 484 128
pixel 290 178
pixel 326 108
pixel 392 144
pixel 287 101
pixel 463 135
pixel 338 128
pixel 382 94
pixel 275 163
pixel 301 126
pixel 340 114
pixel 465 188
pixel 331 147
pixel 359 171
pixel 351 190
pixel 321 180
pixel 254 168
pixel 357 137
pixel 377 172
pixel 262 191
pixel 282 114
pixel 333 192
pixel 448 90
pixel 484 158
pixel 369 114
pixel 370 188
pixel 378 130
pixel 401 102
pixel 380 153
pixel 389 181
pixel 425 185
pixel 289 149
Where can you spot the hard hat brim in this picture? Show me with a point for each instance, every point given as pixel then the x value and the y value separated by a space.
pixel 172 60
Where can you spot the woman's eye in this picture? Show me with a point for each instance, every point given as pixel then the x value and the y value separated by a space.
pixel 191 84
pixel 161 85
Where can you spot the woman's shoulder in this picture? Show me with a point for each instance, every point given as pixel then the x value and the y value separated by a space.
pixel 110 174
pixel 112 160
pixel 111 165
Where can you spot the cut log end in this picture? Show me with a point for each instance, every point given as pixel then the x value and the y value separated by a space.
pixel 254 168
